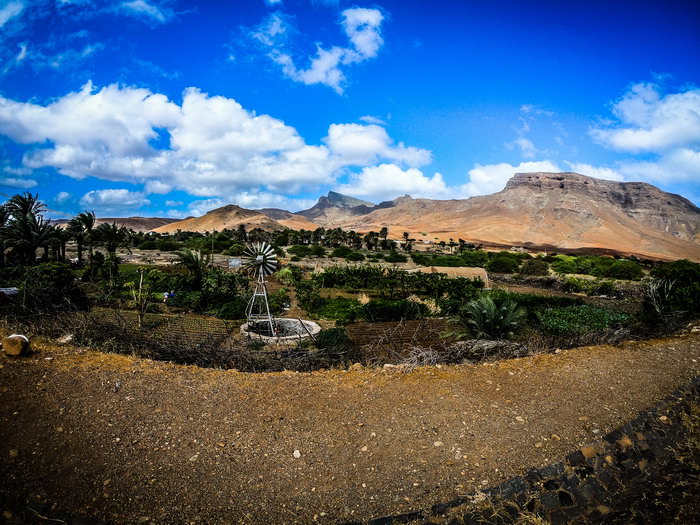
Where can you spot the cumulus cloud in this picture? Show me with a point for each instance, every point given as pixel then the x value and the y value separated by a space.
pixel 62 197
pixel 490 178
pixel 665 127
pixel 200 207
pixel 651 122
pixel 595 171
pixel 15 182
pixel 362 26
pixel 206 145
pixel 363 144
pixel 113 201
pixel 386 181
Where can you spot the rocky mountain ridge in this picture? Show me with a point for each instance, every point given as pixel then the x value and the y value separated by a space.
pixel 566 211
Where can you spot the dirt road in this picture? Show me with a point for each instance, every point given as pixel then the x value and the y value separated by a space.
pixel 132 441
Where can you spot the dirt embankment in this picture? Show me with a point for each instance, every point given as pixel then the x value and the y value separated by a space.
pixel 128 440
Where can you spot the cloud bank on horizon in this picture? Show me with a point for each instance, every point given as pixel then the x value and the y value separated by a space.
pixel 124 147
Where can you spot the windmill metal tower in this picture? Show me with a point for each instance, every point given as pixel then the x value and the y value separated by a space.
pixel 259 259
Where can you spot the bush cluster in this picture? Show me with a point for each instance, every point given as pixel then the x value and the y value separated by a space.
pixel 577 320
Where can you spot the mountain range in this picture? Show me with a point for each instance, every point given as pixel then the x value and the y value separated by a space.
pixel 564 211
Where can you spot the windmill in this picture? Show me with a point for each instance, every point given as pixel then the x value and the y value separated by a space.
pixel 260 260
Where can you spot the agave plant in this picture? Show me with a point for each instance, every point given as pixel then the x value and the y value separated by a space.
pixel 486 318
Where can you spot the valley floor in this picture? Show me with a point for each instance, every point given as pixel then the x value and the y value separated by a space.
pixel 127 440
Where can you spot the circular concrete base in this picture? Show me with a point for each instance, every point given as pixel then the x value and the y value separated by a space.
pixel 290 330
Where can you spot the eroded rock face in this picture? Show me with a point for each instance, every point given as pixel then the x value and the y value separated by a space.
pixel 554 211
pixel 643 202
pixel 15 345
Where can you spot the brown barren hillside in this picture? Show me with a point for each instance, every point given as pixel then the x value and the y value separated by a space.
pixel 289 219
pixel 562 210
pixel 226 217
pixel 138 224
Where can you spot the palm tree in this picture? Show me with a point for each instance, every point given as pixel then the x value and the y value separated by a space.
pixel 195 263
pixel 111 237
pixel 26 233
pixel 81 229
pixel 25 204
pixel 4 219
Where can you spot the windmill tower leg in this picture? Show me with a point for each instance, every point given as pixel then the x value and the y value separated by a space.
pixel 258 310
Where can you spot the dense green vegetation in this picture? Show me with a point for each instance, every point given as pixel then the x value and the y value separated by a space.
pixel 33 258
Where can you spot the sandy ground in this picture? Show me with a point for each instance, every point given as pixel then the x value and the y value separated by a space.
pixel 134 441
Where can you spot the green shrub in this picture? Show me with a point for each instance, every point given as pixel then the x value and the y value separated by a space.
pixel 575 285
pixel 577 320
pixel 333 340
pixel 339 309
pixel 378 310
pixel 502 264
pixel 167 245
pixel 234 250
pixel 148 245
pixel 625 270
pixel 317 251
pixel 299 250
pixel 682 272
pixel 603 288
pixel 47 287
pixel 187 299
pixel 355 256
pixel 565 264
pixel 674 291
pixel 490 318
pixel 394 257
pixel 234 309
pixel 341 251
pixel 534 267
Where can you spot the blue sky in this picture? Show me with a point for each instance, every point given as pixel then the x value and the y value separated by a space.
pixel 172 108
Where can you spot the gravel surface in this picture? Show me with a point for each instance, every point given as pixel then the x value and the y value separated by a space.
pixel 128 440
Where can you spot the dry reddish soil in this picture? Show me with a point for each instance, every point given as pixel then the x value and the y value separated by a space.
pixel 127 440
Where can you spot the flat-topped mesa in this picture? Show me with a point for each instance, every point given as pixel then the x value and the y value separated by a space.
pixel 628 195
pixel 557 180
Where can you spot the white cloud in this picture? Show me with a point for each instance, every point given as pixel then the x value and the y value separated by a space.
pixel 526 147
pixel 358 144
pixel 156 186
pixel 199 208
pixel 14 182
pixel 273 2
pixel 143 9
pixel 11 10
pixel 371 119
pixel 109 201
pixel 664 128
pixel 593 171
pixel 490 178
pixel 211 146
pixel 650 122
pixel 62 197
pixel 387 181
pixel 173 204
pixel 362 26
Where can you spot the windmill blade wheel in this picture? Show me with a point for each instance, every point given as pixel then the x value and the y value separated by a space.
pixel 260 259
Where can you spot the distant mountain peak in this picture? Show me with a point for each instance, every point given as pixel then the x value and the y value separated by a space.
pixel 335 200
pixel 345 201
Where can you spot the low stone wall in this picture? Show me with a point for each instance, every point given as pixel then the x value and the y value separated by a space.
pixel 643 472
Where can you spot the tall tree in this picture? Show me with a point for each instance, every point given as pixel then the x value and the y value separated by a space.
pixel 111 237
pixel 81 228
pixel 4 220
